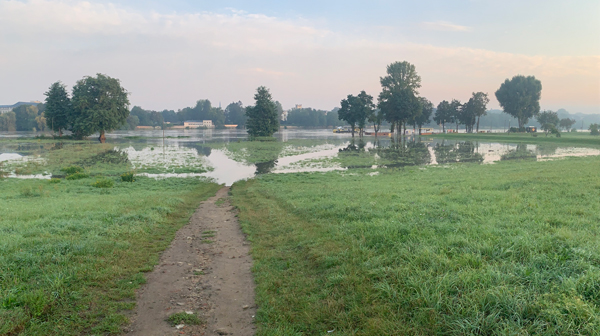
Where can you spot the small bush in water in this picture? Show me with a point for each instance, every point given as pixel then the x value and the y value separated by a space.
pixel 77 176
pixel 104 183
pixel 128 177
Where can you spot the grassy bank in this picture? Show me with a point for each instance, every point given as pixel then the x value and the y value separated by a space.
pixel 567 138
pixel 504 249
pixel 72 255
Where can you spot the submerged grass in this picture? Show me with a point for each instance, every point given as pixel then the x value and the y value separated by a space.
pixel 71 255
pixel 567 138
pixel 506 249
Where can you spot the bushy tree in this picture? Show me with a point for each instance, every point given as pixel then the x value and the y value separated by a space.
pixel 99 104
pixel 356 109
pixel 549 121
pixel 594 129
pixel 423 117
pixel 520 97
pixel 447 112
pixel 566 123
pixel 25 117
pixel 473 110
pixel 235 114
pixel 262 117
pixel 8 122
pixel 58 108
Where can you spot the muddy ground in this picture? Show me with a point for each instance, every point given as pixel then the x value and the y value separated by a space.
pixel 206 271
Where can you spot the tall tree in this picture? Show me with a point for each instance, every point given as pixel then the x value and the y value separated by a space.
pixel 398 98
pixel 444 114
pixel 477 105
pixel 58 107
pixel 423 117
pixel 262 117
pixel 376 117
pixel 99 104
pixel 520 97
pixel 549 121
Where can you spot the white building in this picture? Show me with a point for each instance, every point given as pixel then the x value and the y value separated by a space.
pixel 198 124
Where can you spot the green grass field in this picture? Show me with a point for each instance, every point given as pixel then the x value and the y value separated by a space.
pixel 506 249
pixel 72 254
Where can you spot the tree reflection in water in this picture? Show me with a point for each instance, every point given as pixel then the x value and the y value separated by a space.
pixel 398 153
pixel 465 151
pixel 520 153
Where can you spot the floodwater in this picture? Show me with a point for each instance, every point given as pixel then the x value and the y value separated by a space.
pixel 225 156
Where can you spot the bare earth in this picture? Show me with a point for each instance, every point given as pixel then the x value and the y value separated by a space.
pixel 205 274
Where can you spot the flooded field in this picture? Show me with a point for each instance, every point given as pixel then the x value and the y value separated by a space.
pixel 226 156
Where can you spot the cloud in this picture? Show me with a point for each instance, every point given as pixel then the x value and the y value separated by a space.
pixel 445 26
pixel 172 60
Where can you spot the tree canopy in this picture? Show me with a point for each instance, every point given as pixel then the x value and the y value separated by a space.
pixel 549 120
pixel 473 110
pixel 446 113
pixel 262 117
pixel 100 104
pixel 356 109
pixel 235 114
pixel 398 99
pixel 520 97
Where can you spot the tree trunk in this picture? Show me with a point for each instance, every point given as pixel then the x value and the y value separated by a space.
pixel 478 124
pixel 443 128
pixel 60 132
pixel 102 138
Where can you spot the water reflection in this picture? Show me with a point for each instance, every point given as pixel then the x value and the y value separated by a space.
pixel 522 152
pixel 452 152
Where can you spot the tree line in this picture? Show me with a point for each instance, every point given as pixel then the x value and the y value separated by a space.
pixel 400 105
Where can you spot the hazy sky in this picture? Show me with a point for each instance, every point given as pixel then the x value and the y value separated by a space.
pixel 169 54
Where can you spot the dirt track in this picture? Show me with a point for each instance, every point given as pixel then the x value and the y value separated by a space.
pixel 206 270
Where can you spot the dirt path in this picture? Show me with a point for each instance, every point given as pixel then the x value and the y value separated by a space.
pixel 206 270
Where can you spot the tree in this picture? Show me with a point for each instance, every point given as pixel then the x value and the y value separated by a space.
pixel 549 121
pixel 235 114
pixel 132 121
pixel 594 129
pixel 8 122
pixel 520 97
pixel 376 117
pixel 40 121
pixel 423 117
pixel 478 106
pixel 398 98
pixel 99 104
pixel 279 109
pixel 25 117
pixel 262 117
pixel 443 114
pixel 566 123
pixel 58 107
pixel 455 110
pixel 356 109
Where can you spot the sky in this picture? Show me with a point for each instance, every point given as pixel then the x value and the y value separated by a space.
pixel 169 54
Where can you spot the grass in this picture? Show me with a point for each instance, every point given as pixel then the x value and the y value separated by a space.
pixel 184 318
pixel 72 256
pixel 466 249
pixel 567 138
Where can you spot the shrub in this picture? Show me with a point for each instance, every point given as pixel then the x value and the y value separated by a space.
pixel 72 170
pixel 594 128
pixel 128 177
pixel 104 183
pixel 573 130
pixel 77 176
pixel 184 318
pixel 54 180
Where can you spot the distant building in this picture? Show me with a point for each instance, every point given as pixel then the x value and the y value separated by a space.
pixel 8 108
pixel 298 106
pixel 198 124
